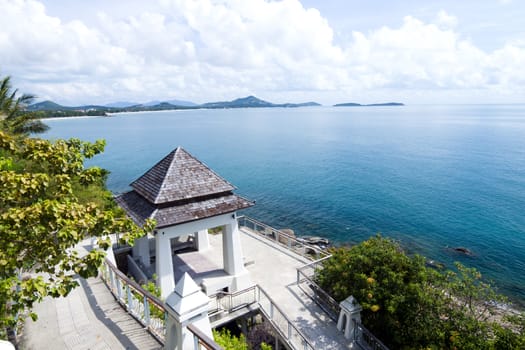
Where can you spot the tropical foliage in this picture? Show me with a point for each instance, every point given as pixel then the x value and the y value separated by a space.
pixel 227 341
pixel 13 116
pixel 411 306
pixel 49 202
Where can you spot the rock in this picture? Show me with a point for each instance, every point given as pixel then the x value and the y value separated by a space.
pixel 463 250
pixel 288 232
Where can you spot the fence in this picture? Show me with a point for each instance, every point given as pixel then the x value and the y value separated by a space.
pixel 283 239
pixel 145 307
pixel 305 281
pixel 305 277
pixel 287 331
pixel 366 340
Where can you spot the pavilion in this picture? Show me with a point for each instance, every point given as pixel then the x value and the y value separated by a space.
pixel 186 198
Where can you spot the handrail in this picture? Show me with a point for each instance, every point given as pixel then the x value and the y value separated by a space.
pixel 280 322
pixel 283 239
pixel 315 292
pixel 365 339
pixel 361 336
pixel 146 308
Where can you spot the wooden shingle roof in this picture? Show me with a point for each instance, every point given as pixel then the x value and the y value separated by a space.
pixel 179 176
pixel 139 209
pixel 179 189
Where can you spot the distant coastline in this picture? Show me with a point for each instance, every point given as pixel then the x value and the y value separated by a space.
pixel 52 110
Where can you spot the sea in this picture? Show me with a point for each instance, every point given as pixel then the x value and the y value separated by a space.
pixel 434 177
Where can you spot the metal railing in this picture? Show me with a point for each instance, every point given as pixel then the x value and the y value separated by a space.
pixel 145 307
pixel 281 238
pixel 230 302
pixel 306 277
pixel 365 339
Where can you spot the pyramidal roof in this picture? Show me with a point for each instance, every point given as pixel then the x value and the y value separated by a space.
pixel 179 176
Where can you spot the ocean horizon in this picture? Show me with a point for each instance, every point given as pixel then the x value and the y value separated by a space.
pixel 433 177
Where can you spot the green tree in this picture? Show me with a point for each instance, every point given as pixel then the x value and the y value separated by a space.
pixel 13 114
pixel 49 202
pixel 409 305
pixel 226 340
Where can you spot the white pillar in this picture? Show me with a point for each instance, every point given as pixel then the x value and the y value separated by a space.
pixel 231 249
pixel 186 305
pixel 233 259
pixel 349 315
pixel 141 250
pixel 203 242
pixel 164 265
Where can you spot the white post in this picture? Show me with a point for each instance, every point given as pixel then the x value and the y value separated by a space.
pixel 141 250
pixel 186 305
pixel 164 265
pixel 350 312
pixel 203 242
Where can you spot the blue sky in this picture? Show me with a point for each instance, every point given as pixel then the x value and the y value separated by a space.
pixel 77 52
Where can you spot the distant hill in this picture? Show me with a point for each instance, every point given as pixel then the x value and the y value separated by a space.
pixel 171 102
pixel 52 106
pixel 46 106
pixel 254 102
pixel 121 104
pixel 352 104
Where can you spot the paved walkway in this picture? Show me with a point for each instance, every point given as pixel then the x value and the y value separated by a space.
pixel 88 318
pixel 274 269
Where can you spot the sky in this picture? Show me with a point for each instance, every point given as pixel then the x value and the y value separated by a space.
pixel 418 52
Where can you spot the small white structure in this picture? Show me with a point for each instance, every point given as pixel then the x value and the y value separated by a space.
pixel 186 305
pixel 349 315
pixel 186 198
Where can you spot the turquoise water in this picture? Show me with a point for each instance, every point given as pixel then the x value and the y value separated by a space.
pixel 431 176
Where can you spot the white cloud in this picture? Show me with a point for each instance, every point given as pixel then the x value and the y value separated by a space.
pixel 208 50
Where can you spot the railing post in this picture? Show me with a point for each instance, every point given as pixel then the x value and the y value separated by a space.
pixel 119 289
pixel 111 278
pixel 289 330
pixel 129 300
pixel 146 312
pixel 271 310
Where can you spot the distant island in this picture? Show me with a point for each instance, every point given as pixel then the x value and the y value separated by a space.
pixel 50 109
pixel 352 104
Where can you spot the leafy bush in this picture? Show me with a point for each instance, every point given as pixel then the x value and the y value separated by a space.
pixel 409 305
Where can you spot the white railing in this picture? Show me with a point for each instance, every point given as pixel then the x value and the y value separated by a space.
pixel 281 238
pixel 230 302
pixel 145 307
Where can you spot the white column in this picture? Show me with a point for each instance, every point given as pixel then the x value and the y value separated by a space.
pixel 231 249
pixel 233 259
pixel 164 265
pixel 203 242
pixel 141 250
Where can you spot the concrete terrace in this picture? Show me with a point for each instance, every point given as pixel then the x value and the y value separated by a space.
pixel 274 269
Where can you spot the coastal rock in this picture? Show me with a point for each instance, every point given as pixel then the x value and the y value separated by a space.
pixel 462 250
pixel 288 232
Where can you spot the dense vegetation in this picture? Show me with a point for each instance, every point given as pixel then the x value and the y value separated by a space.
pixel 411 306
pixel 49 202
